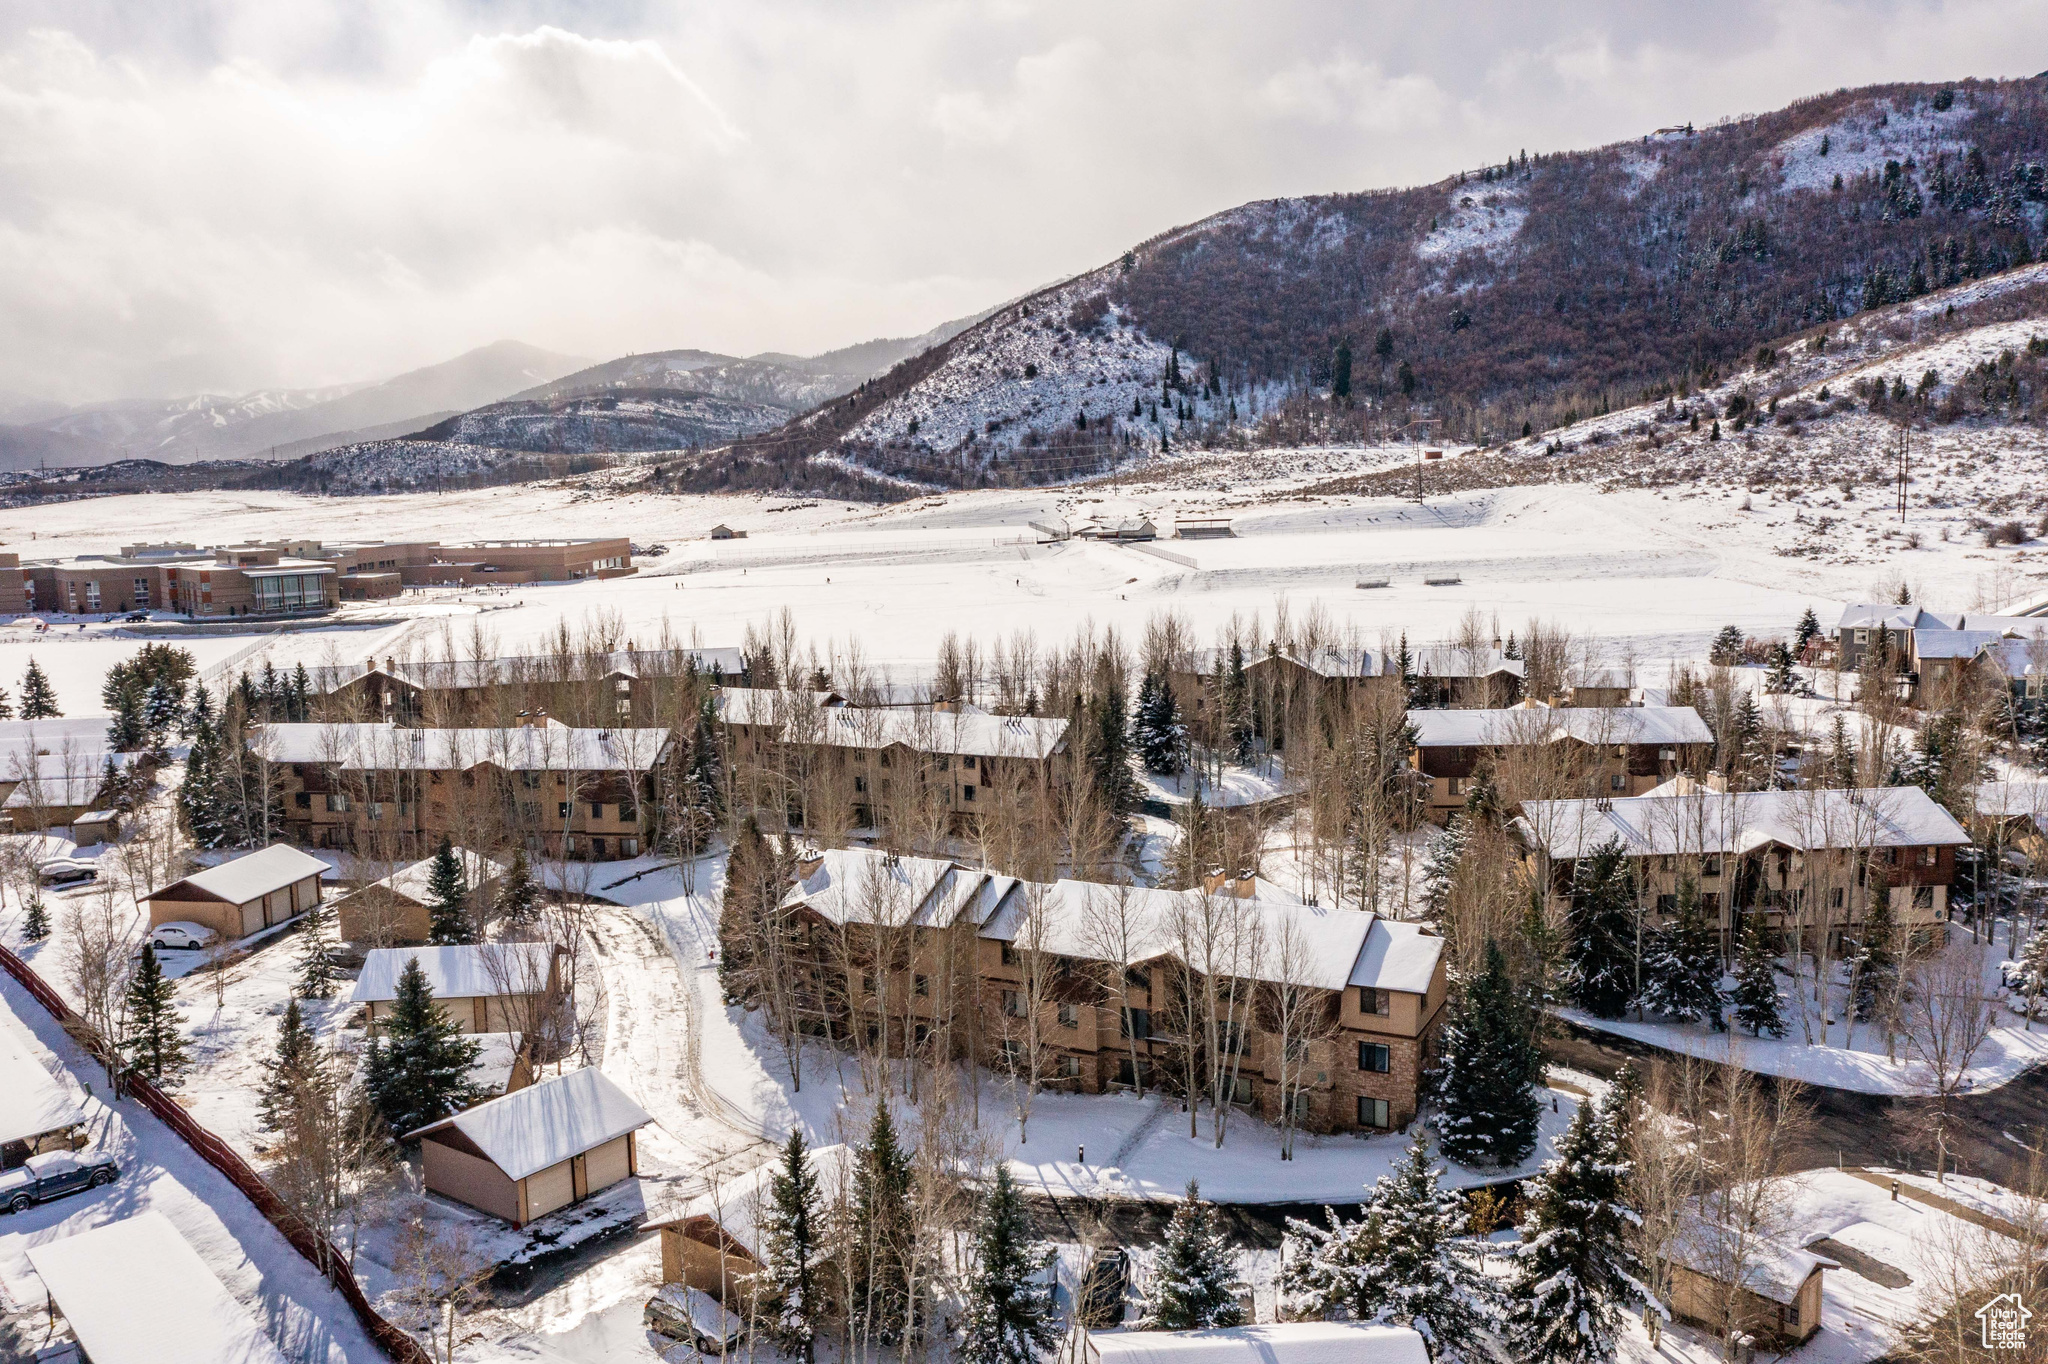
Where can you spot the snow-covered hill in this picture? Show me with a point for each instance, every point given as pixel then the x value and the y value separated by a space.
pixel 617 420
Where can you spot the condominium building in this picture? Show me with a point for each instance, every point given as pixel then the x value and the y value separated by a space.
pixel 1606 751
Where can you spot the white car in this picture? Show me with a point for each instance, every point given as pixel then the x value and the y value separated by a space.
pixel 179 934
pixel 67 871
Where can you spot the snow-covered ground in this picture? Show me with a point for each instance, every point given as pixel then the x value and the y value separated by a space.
pixel 1849 1055
pixel 159 1173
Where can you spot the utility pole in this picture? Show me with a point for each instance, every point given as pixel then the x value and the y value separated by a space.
pixel 1904 468
pixel 1421 421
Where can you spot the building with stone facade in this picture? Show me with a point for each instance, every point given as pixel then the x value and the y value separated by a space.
pixel 1606 751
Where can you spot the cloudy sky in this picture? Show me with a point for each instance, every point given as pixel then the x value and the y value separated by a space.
pixel 222 195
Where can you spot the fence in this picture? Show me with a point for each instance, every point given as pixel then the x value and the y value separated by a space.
pixel 215 671
pixel 306 1239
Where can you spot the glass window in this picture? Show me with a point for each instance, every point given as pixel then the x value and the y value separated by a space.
pixel 1376 1057
pixel 1374 1113
pixel 1379 1003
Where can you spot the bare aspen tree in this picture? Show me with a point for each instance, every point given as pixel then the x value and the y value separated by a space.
pixel 99 942
pixel 1300 1018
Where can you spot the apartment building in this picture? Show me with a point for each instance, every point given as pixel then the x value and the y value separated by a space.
pixel 393 791
pixel 621 687
pixel 1607 750
pixel 1808 861
pixel 948 756
pixel 1093 985
pixel 289 577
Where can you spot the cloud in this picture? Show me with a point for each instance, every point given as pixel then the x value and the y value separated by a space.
pixel 233 193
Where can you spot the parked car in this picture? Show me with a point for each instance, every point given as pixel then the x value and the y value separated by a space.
pixel 136 615
pixel 52 1175
pixel 181 935
pixel 67 871
pixel 695 1318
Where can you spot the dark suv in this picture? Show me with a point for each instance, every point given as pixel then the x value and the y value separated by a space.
pixel 52 1175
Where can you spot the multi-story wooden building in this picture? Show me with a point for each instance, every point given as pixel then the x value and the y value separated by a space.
pixel 617 687
pixel 1806 862
pixel 393 791
pixel 1605 751
pixel 1093 987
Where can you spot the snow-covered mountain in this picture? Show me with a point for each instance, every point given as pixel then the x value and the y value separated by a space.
pixel 1533 292
pixel 626 419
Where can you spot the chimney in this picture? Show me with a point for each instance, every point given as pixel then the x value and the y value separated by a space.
pixel 1213 881
pixel 807 863
pixel 1246 887
pixel 390 664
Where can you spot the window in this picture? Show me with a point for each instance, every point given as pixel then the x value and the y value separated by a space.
pixel 1009 954
pixel 1667 904
pixel 337 804
pixel 142 592
pixel 303 800
pixel 1711 867
pixel 561 809
pixel 860 784
pixel 529 810
pixel 967 793
pixel 1379 1003
pixel 1013 1003
pixel 968 762
pixel 530 780
pixel 1863 636
pixel 1070 1067
pixel 1376 1057
pixel 921 986
pixel 596 810
pixel 1928 857
pixel 1241 1089
pixel 1374 1113
pixel 92 596
pixel 1616 782
pixel 597 847
pixel 1835 898
pixel 1127 1074
pixel 1137 1024
pixel 868 984
pixel 1455 785
pixel 1012 1052
pixel 376 809
pixel 1070 1016
pixel 629 847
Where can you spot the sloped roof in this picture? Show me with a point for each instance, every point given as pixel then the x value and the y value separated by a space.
pixel 446 674
pixel 517 748
pixel 135 1292
pixel 1893 617
pixel 1397 956
pixel 1770 1269
pixel 1953 643
pixel 1293 1342
pixel 547 1122
pixel 973 733
pixel 454 972
pixel 1452 661
pixel 37 1102
pixel 1544 724
pixel 411 882
pixel 767 705
pixel 1739 822
pixel 251 876
pixel 737 1204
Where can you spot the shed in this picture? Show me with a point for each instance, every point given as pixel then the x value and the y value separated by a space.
pixel 135 1292
pixel 242 896
pixel 482 987
pixel 1289 1342
pixel 40 1113
pixel 540 1148
pixel 1776 1289
pixel 725 532
pixel 716 1242
pixel 398 908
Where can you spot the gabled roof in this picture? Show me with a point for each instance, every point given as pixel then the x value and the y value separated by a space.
pixel 457 674
pixel 736 1207
pixel 1544 724
pixel 1953 643
pixel 385 747
pixel 547 1122
pixel 768 705
pixel 456 972
pixel 251 876
pixel 1893 617
pixel 135 1292
pixel 974 734
pixel 1454 662
pixel 1770 1269
pixel 37 1102
pixel 411 882
pixel 1397 956
pixel 1737 822
pixel 1327 660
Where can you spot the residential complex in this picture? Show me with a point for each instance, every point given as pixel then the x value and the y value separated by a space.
pixel 289 577
pixel 1094 987
pixel 1606 751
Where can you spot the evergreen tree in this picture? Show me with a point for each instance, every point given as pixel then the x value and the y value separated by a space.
pixel 792 1231
pixel 1237 706
pixel 1404 667
pixel 1779 679
pixel 749 880
pixel 2029 974
pixel 1487 1072
pixel 1157 731
pixel 1682 971
pixel 126 732
pixel 200 808
pixel 1194 1271
pixel 155 1048
pixel 1006 1317
pixel 1841 757
pixel 1756 984
pixel 38 697
pixel 1809 631
pixel 418 1072
pixel 1575 1266
pixel 448 889
pixel 1340 371
pixel 285 1074
pixel 163 707
pixel 518 899
pixel 883 1227
pixel 1600 964
pixel 707 763
pixel 300 697
pixel 35 925
pixel 6 705
pixel 317 972
pixel 1440 868
pixel 1406 1262
pixel 1726 650
pixel 1114 783
pixel 1875 965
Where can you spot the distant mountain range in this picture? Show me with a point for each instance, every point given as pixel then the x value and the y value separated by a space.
pixel 1534 292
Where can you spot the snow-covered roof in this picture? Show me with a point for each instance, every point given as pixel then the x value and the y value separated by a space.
pixel 929 730
pixel 768 705
pixel 135 1292
pixel 516 748
pixel 547 1122
pixel 2019 659
pixel 56 745
pixel 54 793
pixel 37 1102
pixel 1770 1269
pixel 1739 822
pixel 1292 1342
pixel 464 972
pixel 252 876
pixel 1328 660
pixel 2014 800
pixel 1953 643
pixel 736 1204
pixel 411 882
pixel 1545 724
pixel 1893 617
pixel 485 672
pixel 1397 956
pixel 1454 662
